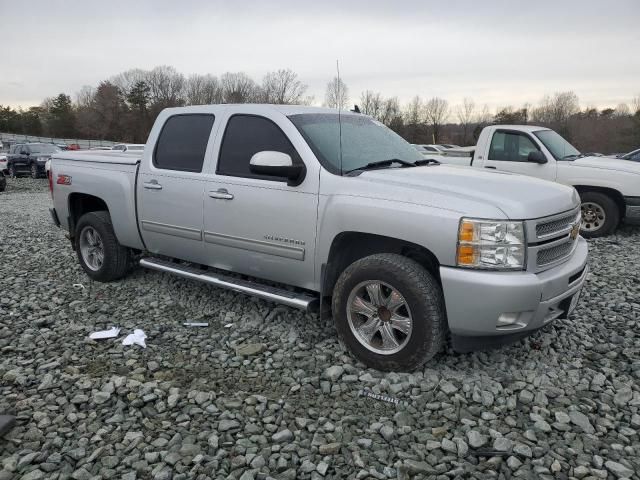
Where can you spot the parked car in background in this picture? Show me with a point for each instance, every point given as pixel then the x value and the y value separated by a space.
pixel 128 147
pixel 634 155
pixel 410 252
pixel 609 187
pixel 30 158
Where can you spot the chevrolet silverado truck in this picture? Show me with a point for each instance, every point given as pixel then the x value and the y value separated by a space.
pixel 609 188
pixel 302 205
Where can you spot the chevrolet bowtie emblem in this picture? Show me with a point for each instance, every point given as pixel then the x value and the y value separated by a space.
pixel 575 231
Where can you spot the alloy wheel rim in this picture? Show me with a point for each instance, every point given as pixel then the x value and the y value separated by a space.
pixel 92 248
pixel 379 317
pixel 593 217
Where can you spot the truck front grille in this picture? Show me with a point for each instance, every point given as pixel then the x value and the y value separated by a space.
pixel 546 229
pixel 547 256
pixel 550 241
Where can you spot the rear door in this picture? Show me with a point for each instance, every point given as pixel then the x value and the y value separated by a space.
pixel 171 185
pixel 255 224
pixel 508 151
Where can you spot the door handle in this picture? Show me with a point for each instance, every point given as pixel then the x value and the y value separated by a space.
pixel 492 168
pixel 221 193
pixel 152 185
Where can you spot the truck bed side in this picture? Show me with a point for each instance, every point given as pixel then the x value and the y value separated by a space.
pixel 98 181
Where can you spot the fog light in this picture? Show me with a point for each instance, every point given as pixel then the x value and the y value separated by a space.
pixel 513 320
pixel 507 319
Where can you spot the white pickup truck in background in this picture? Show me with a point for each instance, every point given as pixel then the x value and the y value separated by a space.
pixel 609 188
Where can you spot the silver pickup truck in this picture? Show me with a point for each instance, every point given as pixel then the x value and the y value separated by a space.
pixel 329 206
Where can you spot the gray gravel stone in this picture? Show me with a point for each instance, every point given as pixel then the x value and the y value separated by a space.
pixel 217 402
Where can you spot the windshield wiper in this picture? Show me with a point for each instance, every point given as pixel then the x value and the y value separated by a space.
pixel 426 161
pixel 381 164
pixel 573 156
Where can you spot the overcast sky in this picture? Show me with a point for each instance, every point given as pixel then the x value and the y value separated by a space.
pixel 498 52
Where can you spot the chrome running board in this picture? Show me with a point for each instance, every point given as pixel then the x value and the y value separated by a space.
pixel 303 301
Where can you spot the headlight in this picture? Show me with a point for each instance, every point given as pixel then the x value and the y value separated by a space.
pixel 488 244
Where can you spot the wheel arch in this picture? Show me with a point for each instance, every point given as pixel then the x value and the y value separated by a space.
pixel 349 246
pixel 610 192
pixel 81 203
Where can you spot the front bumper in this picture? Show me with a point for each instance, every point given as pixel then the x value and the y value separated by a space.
pixel 476 300
pixel 632 213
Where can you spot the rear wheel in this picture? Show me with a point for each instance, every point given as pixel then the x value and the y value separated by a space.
pixel 600 214
pixel 389 312
pixel 100 255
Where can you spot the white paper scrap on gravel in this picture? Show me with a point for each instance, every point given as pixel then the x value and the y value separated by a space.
pixel 111 333
pixel 136 337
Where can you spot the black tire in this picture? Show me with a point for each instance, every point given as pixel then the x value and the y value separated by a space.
pixel 34 171
pixel 12 171
pixel 3 182
pixel 598 227
pixel 422 294
pixel 117 259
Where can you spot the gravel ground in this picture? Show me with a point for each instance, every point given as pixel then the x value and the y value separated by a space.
pixel 266 391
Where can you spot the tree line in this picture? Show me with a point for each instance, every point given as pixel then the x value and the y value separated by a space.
pixel 123 108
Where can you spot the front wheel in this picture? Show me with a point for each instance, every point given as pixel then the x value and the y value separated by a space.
pixel 12 171
pixel 100 255
pixel 389 312
pixel 600 215
pixel 34 171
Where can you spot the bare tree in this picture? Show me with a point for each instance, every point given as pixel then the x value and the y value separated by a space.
pixel 283 87
pixel 337 94
pixel 622 110
pixel 371 104
pixel 635 104
pixel 126 80
pixel 238 88
pixel 466 113
pixel 484 117
pixel 167 87
pixel 202 90
pixel 391 114
pixel 84 96
pixel 556 110
pixel 413 119
pixel 436 112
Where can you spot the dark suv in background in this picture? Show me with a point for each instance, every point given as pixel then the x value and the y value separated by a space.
pixel 30 158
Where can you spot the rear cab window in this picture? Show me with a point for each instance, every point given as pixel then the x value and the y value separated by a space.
pixel 182 143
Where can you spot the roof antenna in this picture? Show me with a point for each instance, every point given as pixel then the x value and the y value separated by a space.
pixel 338 100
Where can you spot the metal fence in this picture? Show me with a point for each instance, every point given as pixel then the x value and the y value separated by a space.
pixel 9 139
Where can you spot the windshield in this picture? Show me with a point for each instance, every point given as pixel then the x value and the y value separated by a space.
pixel 557 145
pixel 364 141
pixel 43 148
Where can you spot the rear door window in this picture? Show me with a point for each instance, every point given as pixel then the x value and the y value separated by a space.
pixel 183 142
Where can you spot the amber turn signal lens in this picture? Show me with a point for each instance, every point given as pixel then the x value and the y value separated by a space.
pixel 466 255
pixel 466 232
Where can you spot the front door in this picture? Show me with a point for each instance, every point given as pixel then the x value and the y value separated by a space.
pixel 508 152
pixel 254 224
pixel 171 188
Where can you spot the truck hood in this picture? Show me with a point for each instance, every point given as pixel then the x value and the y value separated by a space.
pixel 607 163
pixel 470 191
